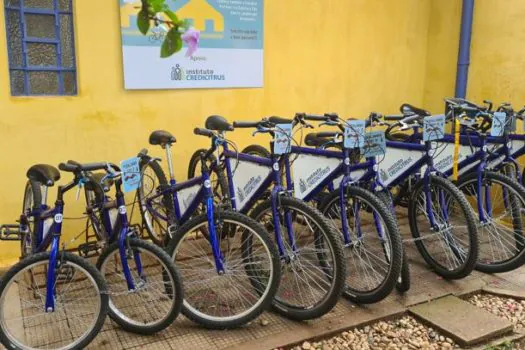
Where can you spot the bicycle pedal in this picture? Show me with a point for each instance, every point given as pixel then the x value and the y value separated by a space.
pixel 10 233
pixel 88 249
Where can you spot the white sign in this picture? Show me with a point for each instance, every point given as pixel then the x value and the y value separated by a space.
pixel 309 171
pixel 247 179
pixel 229 54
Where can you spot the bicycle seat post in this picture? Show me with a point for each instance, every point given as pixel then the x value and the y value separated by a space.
pixel 170 162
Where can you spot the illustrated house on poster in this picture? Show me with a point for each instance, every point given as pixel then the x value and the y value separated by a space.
pixel 204 16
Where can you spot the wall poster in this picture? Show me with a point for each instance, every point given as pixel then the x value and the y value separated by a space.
pixel 230 44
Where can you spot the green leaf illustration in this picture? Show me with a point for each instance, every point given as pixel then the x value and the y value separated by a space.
pixel 172 43
pixel 143 22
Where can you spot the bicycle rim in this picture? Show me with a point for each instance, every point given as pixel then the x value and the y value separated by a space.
pixel 152 300
pixel 369 254
pixel 247 279
pixel 446 240
pixel 157 226
pixel 501 235
pixel 77 307
pixel 307 274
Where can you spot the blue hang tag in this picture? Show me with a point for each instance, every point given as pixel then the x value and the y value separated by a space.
pixel 282 141
pixel 354 134
pixel 130 174
pixel 499 121
pixel 374 144
pixel 434 127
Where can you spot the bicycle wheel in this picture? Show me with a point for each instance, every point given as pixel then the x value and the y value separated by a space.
pixel 403 282
pixel 217 177
pixel 157 298
pixel 32 199
pixel 80 304
pixel 313 274
pixel 374 255
pixel 449 244
pixel 157 218
pixel 257 150
pixel 251 270
pixel 501 236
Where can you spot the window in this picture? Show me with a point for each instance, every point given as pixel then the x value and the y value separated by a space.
pixel 40 47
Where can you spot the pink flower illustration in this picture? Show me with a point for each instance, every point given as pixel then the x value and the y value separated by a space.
pixel 191 38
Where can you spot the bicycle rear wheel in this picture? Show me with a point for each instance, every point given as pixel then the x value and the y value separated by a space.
pixel 32 199
pixel 157 298
pixel 450 243
pixel 161 214
pixel 251 270
pixel 81 304
pixel 314 272
pixel 374 256
pixel 502 240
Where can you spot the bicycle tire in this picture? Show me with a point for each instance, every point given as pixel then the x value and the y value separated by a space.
pixel 211 321
pixel 89 269
pixel 159 238
pixel 403 282
pixel 256 150
pixel 389 280
pixel 220 188
pixel 468 218
pixel 517 222
pixel 169 272
pixel 335 247
pixel 33 192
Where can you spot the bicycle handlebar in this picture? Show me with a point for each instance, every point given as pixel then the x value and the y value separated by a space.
pixel 203 132
pixel 244 125
pixel 74 167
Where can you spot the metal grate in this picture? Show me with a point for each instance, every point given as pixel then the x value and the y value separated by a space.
pixel 40 46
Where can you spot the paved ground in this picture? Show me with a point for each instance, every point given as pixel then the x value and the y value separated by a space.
pixel 271 331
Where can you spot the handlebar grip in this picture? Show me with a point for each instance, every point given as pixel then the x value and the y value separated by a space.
pixel 412 118
pixel 315 117
pixel 328 134
pixel 394 117
pixel 94 166
pixel 68 167
pixel 203 132
pixel 245 124
pixel 279 120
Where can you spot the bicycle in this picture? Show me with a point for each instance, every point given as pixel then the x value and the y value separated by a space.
pixel 372 244
pixel 50 299
pixel 497 198
pixel 307 243
pixel 132 268
pixel 229 264
pixel 331 275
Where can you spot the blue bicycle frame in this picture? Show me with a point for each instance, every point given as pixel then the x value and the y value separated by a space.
pixel 204 194
pixel 366 174
pixel 257 192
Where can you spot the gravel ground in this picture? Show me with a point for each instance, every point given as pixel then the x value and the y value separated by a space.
pixel 511 309
pixel 402 334
pixel 408 334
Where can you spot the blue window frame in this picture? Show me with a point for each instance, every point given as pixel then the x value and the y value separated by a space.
pixel 40 46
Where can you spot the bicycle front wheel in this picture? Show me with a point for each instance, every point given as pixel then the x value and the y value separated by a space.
pixel 156 299
pixel 314 269
pixel 374 253
pixel 80 298
pixel 248 282
pixel 444 227
pixel 501 233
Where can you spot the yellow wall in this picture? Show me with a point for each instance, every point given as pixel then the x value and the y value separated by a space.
pixel 497 70
pixel 348 56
